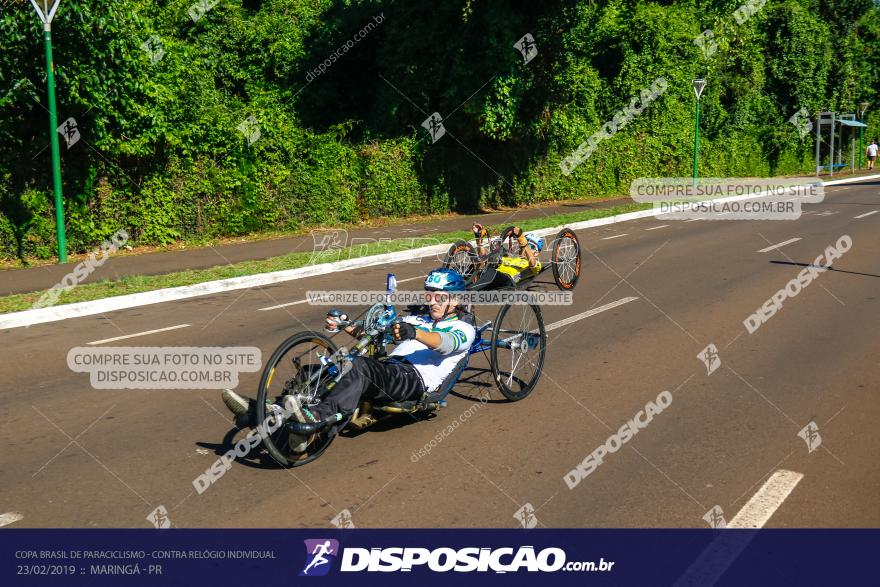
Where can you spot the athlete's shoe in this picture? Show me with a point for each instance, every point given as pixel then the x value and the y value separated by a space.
pixel 300 414
pixel 236 404
pixel 243 409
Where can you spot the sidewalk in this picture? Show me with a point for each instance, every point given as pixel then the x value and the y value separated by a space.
pixel 15 281
pixel 32 279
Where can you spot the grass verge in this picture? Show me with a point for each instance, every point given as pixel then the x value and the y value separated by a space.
pixel 141 283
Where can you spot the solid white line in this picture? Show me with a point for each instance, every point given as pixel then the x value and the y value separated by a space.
pixel 767 500
pixel 657 227
pixel 115 338
pixel 866 214
pixel 615 236
pixel 102 306
pixel 850 180
pixel 693 219
pixel 778 245
pixel 9 518
pixel 588 313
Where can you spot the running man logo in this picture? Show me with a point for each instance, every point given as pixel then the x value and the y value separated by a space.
pixel 70 131
pixel 159 518
pixel 710 358
pixel 810 434
pixel 801 121
pixel 343 520
pixel 527 47
pixel 707 43
pixel 320 554
pixel 434 125
pixel 715 517
pixel 250 128
pixel 526 516
pixel 154 48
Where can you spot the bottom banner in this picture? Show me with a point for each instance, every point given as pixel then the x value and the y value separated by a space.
pixel 436 557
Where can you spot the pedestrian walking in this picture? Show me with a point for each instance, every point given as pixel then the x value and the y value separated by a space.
pixel 872 153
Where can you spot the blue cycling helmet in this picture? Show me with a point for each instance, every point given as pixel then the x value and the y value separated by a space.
pixel 445 280
pixel 536 241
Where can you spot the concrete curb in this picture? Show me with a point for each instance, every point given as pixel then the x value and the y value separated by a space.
pixel 79 309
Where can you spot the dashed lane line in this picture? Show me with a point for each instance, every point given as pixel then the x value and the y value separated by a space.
pixel 115 338
pixel 588 313
pixel 779 245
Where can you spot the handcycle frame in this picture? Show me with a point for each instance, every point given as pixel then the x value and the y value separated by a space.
pixel 377 337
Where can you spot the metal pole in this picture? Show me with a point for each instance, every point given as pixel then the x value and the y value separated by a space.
pixel 818 138
pixel 696 141
pixel 56 152
pixel 831 166
pixel 861 148
pixel 852 143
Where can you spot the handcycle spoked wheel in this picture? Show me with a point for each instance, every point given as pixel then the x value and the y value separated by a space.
pixel 519 342
pixel 288 371
pixel 463 258
pixel 566 259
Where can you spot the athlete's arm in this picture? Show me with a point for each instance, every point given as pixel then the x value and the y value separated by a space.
pixel 402 331
pixel 524 246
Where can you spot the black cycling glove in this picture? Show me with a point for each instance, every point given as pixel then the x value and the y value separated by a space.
pixel 402 331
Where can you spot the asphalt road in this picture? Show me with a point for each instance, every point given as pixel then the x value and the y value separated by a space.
pixel 75 456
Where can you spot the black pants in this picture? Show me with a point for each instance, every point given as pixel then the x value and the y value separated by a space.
pixel 376 380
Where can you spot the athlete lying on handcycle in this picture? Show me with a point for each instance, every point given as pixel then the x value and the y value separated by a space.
pixel 429 346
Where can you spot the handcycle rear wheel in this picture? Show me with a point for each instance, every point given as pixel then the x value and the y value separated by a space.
pixel 566 259
pixel 519 343
pixel 463 258
pixel 291 365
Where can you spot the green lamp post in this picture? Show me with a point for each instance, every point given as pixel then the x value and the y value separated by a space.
pixel 699 86
pixel 46 13
pixel 862 108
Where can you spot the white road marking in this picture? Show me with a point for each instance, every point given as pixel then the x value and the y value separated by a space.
pixel 866 214
pixel 306 300
pixel 588 313
pixel 767 500
pixel 657 227
pixel 102 306
pixel 115 338
pixel 282 305
pixel 778 245
pixel 693 219
pixel 9 518
pixel 724 550
pixel 615 236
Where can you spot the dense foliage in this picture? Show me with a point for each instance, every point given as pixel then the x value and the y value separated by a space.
pixel 160 154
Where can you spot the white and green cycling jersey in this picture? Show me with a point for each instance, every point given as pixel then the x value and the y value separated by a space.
pixel 435 365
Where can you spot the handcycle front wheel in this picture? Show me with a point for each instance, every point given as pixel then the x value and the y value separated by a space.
pixel 519 343
pixel 289 368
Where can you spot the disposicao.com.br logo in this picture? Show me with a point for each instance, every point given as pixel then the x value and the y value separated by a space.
pixel 443 560
pixel 320 554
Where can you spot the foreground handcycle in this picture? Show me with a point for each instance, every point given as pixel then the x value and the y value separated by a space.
pixel 310 363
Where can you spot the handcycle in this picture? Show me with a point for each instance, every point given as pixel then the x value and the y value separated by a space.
pixel 310 363
pixel 501 264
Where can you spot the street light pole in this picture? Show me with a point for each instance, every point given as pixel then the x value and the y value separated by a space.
pixel 862 108
pixel 46 14
pixel 699 85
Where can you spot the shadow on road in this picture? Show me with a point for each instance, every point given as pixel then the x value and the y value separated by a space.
pixel 829 268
